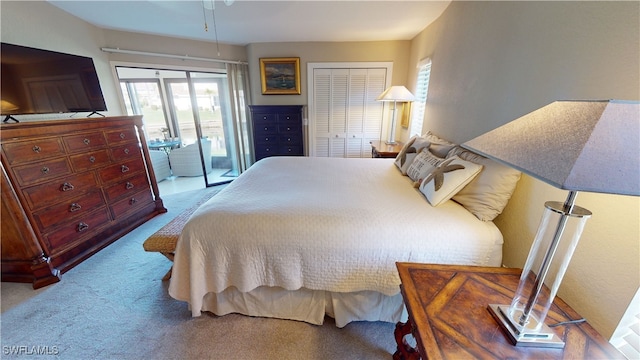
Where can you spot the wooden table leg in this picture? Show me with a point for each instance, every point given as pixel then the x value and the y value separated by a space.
pixel 404 350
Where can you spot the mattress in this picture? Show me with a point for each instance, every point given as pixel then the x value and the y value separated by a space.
pixel 328 226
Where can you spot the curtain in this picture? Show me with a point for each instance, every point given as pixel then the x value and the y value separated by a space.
pixel 240 98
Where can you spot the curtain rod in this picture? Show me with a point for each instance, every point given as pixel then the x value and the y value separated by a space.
pixel 182 57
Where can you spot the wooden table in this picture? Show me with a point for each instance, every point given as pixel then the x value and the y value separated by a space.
pixel 380 149
pixel 448 317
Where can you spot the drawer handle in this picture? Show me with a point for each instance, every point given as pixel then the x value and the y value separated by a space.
pixel 132 201
pixel 82 227
pixel 266 139
pixel 289 149
pixel 266 128
pixel 92 159
pixel 66 187
pixel 74 207
pixel 124 168
pixel 126 151
pixel 36 148
pixel 122 136
pixel 44 170
pixel 288 139
pixel 288 118
pixel 264 118
pixel 86 141
pixel 288 129
pixel 129 185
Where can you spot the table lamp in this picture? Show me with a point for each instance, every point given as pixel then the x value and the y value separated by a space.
pixel 395 94
pixel 576 146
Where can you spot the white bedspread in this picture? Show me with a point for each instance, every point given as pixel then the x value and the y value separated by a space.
pixel 329 224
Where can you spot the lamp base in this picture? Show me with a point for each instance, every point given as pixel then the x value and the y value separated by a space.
pixel 545 337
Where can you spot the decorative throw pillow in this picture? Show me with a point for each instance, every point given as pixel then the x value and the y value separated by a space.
pixel 422 165
pixel 487 195
pixel 409 151
pixel 447 179
pixel 439 146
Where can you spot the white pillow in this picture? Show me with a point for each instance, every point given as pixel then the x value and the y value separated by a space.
pixel 487 195
pixel 447 179
pixel 422 165
pixel 409 151
pixel 439 146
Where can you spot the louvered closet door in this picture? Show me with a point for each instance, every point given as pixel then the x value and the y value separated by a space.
pixel 347 116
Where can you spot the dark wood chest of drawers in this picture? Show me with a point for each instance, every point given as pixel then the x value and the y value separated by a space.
pixel 70 188
pixel 277 130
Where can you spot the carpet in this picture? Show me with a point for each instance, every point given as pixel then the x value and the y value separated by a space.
pixel 114 305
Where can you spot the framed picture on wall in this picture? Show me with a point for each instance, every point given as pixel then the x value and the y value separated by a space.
pixel 280 76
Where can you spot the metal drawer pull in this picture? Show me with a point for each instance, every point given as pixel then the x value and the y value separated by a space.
pixel 129 186
pixel 74 207
pixel 36 148
pixel 124 168
pixel 86 141
pixel 44 170
pixel 66 187
pixel 92 159
pixel 266 128
pixel 82 227
pixel 126 151
pixel 122 135
pixel 132 201
pixel 288 129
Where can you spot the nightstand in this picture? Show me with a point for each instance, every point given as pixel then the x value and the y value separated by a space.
pixel 448 317
pixel 379 149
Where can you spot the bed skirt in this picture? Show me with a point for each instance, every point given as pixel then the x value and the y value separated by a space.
pixel 308 305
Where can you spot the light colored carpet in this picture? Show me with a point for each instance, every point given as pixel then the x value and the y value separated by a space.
pixel 115 306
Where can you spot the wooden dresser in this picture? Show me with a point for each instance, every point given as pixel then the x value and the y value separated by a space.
pixel 277 130
pixel 70 188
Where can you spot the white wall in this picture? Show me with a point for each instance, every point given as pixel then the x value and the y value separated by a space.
pixel 40 25
pixel 495 61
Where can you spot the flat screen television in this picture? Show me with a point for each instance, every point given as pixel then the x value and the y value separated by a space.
pixel 36 81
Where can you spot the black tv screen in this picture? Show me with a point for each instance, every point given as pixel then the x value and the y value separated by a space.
pixel 36 81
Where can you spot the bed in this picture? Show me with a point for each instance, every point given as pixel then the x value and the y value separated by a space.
pixel 303 237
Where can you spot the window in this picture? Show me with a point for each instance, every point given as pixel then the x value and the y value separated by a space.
pixel 422 87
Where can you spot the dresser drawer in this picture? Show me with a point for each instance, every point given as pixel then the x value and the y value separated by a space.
pixel 265 129
pixel 76 229
pixel 125 152
pixel 33 150
pixel 90 160
pixel 266 151
pixel 121 136
pixel 290 150
pixel 261 119
pixel 59 190
pixel 84 142
pixel 267 139
pixel 291 139
pixel 70 209
pixel 128 187
pixel 41 172
pixel 293 118
pixel 131 203
pixel 121 170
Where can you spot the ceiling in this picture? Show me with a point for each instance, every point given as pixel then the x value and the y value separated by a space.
pixel 256 21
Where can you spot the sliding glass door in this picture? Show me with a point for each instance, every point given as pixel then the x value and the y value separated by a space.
pixel 180 107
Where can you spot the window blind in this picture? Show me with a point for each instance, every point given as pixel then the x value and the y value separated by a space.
pixel 422 87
